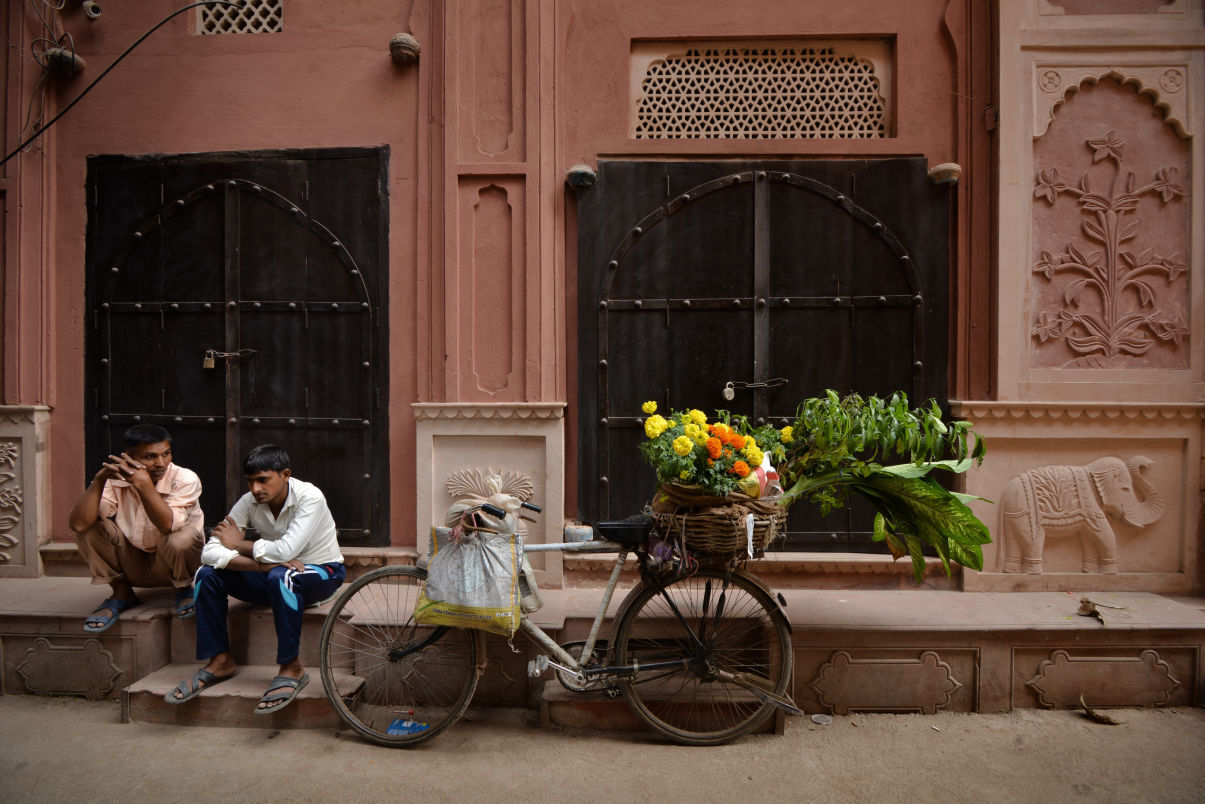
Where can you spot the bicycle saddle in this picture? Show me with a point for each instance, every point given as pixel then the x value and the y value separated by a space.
pixel 631 531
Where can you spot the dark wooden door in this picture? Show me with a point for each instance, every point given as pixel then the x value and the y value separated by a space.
pixel 782 278
pixel 272 264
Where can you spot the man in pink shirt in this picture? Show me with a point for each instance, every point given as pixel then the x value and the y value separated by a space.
pixel 140 524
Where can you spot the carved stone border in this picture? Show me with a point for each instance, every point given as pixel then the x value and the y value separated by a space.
pixel 1011 411
pixel 1167 85
pixel 428 411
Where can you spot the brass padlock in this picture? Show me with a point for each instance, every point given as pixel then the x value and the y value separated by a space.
pixel 208 361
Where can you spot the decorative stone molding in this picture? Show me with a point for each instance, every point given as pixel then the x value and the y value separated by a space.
pixel 83 669
pixel 924 684
pixel 524 441
pixel 22 483
pixel 1166 84
pixel 1103 680
pixel 981 412
pixel 428 411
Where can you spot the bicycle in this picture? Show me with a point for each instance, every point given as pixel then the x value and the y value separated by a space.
pixel 700 651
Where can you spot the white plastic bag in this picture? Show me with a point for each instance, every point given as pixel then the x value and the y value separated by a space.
pixel 473 575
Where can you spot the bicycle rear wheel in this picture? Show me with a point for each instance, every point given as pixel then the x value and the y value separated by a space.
pixel 382 669
pixel 716 627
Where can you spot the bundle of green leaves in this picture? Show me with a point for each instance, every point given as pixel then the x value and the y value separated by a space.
pixel 885 452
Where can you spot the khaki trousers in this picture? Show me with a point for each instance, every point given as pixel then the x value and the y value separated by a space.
pixel 111 557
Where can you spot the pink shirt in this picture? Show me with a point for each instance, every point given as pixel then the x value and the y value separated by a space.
pixel 180 489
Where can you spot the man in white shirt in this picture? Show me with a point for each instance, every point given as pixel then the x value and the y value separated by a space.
pixel 294 563
pixel 139 523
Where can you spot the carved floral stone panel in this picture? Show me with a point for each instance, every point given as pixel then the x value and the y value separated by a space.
pixel 10 498
pixel 1110 284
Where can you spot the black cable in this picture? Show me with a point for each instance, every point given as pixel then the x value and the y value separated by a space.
pixel 87 89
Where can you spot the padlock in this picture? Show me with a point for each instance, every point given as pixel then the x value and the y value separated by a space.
pixel 729 392
pixel 207 362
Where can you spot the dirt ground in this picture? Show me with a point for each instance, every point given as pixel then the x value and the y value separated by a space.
pixel 64 749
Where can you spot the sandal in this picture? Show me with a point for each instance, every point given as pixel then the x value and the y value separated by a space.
pixel 105 622
pixel 186 607
pixel 200 681
pixel 279 700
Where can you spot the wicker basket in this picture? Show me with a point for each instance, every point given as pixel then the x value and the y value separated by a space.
pixel 716 525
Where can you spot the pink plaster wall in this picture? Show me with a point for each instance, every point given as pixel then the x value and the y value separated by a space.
pixel 326 81
pixel 504 98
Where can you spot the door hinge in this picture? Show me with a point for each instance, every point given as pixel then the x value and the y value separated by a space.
pixel 991 117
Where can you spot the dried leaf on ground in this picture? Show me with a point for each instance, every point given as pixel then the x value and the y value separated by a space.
pixel 1097 716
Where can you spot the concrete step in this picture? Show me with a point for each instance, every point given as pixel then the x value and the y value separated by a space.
pixel 230 703
pixel 252 632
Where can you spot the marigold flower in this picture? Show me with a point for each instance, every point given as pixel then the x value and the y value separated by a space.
pixel 787 434
pixel 754 454
pixel 683 445
pixel 655 425
pixel 649 407
pixel 697 416
pixel 713 448
pixel 684 474
pixel 740 469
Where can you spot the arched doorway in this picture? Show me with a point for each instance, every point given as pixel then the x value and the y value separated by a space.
pixel 239 300
pixel 782 278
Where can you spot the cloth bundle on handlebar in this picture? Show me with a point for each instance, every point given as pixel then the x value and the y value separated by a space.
pixel 473 574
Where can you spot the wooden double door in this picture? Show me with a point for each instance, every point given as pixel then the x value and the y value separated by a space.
pixel 239 299
pixel 776 280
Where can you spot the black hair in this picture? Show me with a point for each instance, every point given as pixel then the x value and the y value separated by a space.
pixel 266 458
pixel 141 434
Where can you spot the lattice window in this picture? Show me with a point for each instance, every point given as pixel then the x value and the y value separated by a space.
pixel 255 16
pixel 762 92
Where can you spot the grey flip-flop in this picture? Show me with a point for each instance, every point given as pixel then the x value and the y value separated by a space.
pixel 201 680
pixel 282 698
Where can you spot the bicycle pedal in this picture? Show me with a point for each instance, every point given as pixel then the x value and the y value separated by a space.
pixel 537 666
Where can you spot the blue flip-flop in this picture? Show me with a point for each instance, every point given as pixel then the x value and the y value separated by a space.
pixel 185 610
pixel 113 605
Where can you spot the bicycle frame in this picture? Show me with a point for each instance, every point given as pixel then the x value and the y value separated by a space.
pixel 571 664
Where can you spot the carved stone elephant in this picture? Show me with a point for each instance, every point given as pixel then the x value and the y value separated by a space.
pixel 1066 500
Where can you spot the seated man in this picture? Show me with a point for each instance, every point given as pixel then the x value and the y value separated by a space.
pixel 139 524
pixel 294 563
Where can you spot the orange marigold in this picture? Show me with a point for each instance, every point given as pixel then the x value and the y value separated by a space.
pixel 740 469
pixel 713 447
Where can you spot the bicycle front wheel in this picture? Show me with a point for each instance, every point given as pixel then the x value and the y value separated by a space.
pixel 703 643
pixel 393 681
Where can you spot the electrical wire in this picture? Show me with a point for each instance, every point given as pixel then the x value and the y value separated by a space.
pixel 126 52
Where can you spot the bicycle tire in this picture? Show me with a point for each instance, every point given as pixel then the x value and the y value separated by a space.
pixel 369 688
pixel 689 704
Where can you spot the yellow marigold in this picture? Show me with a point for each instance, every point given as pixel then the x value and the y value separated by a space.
pixel 649 407
pixel 684 474
pixel 754 454
pixel 655 425
pixel 787 434
pixel 695 433
pixel 683 445
pixel 697 416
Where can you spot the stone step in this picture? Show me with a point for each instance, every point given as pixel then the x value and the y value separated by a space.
pixel 230 703
pixel 252 632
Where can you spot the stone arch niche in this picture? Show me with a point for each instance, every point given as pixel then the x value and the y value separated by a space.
pixel 1109 284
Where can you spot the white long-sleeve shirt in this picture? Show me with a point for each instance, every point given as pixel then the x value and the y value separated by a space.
pixel 304 530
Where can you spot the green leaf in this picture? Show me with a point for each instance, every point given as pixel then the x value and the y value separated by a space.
pixel 922 469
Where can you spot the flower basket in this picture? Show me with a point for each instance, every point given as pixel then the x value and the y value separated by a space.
pixel 715 525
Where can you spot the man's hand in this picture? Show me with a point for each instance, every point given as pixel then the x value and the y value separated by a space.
pixel 126 468
pixel 228 534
